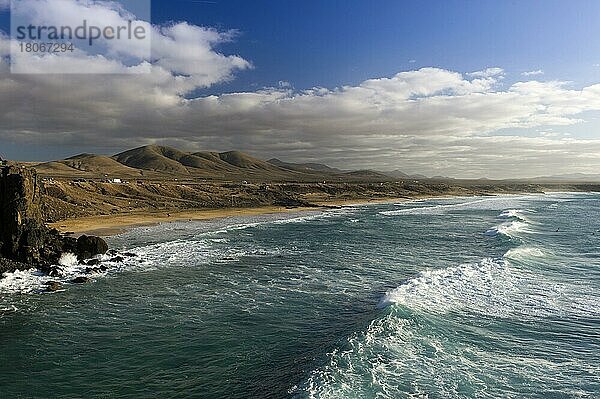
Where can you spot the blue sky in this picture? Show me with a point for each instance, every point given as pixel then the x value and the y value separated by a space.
pixel 461 88
pixel 333 43
pixel 343 42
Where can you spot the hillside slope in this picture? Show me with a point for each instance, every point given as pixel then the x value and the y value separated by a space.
pixel 163 162
pixel 211 165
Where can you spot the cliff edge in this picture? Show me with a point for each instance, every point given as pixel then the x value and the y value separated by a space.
pixel 25 241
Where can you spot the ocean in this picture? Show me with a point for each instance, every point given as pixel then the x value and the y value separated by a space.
pixel 465 297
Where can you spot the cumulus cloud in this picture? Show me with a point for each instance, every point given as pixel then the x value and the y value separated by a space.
pixel 429 120
pixel 487 73
pixel 183 50
pixel 425 120
pixel 533 73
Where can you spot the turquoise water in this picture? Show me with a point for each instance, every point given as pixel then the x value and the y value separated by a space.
pixel 479 297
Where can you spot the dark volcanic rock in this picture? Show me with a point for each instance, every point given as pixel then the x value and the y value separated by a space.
pixel 52 286
pixel 81 280
pixel 7 266
pixel 290 202
pixel 88 246
pixel 25 241
pixel 93 262
pixel 117 259
pixel 21 234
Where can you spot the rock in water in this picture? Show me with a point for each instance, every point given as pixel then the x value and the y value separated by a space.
pixel 25 241
pixel 53 286
pixel 88 246
pixel 81 280
pixel 7 266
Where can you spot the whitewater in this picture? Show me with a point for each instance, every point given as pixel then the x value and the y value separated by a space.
pixel 472 297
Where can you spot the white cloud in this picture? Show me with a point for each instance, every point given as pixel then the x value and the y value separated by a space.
pixel 429 120
pixel 180 48
pixel 533 73
pixel 487 73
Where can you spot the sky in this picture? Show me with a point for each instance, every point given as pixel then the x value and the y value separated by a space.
pixel 495 89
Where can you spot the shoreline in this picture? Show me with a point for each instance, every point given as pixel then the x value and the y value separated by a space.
pixel 110 225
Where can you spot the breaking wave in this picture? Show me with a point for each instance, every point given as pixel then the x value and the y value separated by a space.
pixel 68 269
pixel 201 250
pixel 487 203
pixel 435 330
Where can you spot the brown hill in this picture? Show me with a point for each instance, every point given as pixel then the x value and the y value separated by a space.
pixel 57 168
pixel 99 164
pixel 231 164
pixel 241 160
pixel 154 161
pixel 87 165
pixel 154 157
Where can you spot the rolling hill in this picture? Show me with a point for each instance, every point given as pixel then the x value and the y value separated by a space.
pixel 155 161
pixel 85 164
pixel 155 158
pixel 224 165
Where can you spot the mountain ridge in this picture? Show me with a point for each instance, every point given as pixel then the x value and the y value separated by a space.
pixel 168 162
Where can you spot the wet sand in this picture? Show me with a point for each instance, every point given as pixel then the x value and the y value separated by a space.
pixel 107 225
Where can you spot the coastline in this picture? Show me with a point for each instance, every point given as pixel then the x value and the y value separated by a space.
pixel 109 225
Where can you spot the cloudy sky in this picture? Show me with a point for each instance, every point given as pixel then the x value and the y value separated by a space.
pixel 463 89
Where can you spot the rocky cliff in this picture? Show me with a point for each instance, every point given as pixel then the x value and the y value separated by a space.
pixel 25 241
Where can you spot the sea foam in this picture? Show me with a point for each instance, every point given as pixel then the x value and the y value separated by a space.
pixel 68 259
pixel 509 229
pixel 491 203
pixel 451 288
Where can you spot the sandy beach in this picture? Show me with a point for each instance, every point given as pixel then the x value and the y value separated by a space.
pixel 107 225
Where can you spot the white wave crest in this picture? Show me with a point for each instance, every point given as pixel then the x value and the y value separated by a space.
pixel 521 253
pixel 487 203
pixel 491 287
pixel 23 281
pixel 511 213
pixel 68 268
pixel 509 229
pixel 68 259
pixel 451 288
